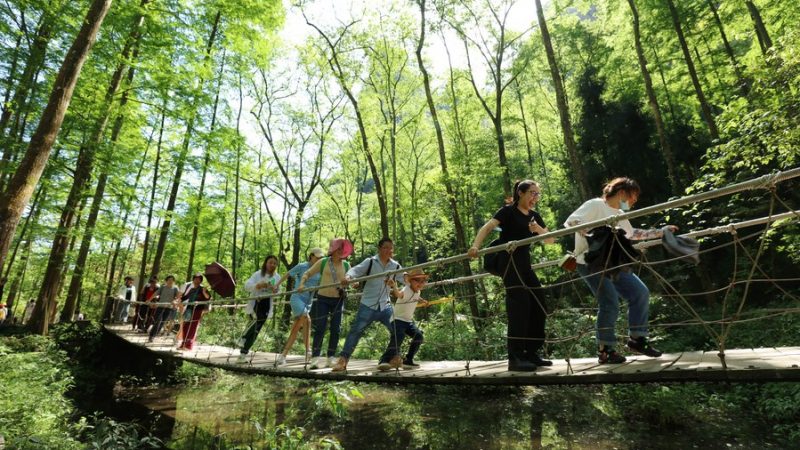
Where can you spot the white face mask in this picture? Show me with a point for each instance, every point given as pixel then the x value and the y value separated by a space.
pixel 623 205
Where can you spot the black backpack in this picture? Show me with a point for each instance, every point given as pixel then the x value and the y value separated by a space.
pixel 496 263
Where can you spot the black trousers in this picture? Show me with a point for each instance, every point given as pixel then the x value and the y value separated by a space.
pixel 525 307
pixel 262 312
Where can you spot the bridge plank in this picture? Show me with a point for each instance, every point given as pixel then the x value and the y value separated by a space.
pixel 776 364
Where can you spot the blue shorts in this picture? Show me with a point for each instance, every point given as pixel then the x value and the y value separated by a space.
pixel 300 305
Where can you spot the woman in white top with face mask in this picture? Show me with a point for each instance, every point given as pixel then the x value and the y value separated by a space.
pixel 619 195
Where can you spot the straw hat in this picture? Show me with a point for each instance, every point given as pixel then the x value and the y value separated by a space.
pixel 416 274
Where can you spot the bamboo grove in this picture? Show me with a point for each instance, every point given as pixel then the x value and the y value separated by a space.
pixel 149 137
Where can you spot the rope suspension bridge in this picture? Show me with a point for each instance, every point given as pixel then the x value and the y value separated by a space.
pixel 472 342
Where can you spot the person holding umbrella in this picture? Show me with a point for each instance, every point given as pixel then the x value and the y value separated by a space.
pixel 262 284
pixel 192 293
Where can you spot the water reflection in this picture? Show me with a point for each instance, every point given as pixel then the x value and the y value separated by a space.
pixel 256 412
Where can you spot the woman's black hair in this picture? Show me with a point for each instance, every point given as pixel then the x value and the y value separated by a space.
pixel 628 185
pixel 264 265
pixel 520 187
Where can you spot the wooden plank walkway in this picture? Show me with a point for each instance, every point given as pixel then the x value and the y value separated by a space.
pixel 744 365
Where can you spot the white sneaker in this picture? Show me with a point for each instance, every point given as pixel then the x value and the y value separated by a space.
pixel 315 363
pixel 241 359
pixel 281 360
pixel 332 361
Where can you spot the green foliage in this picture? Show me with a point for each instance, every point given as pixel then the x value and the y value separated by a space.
pixel 194 374
pixel 35 411
pixel 658 405
pixel 332 399
pixel 106 433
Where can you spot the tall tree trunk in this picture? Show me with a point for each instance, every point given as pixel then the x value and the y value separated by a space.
pixel 65 268
pixel 206 160
pixel 19 102
pixel 663 77
pixel 56 265
pixel 176 181
pixel 76 282
pixel 475 309
pixel 41 192
pixel 742 83
pixel 652 100
pixel 151 206
pixel 764 41
pixel 234 262
pixel 524 122
pixel 14 199
pixel 338 71
pixel 5 108
pixel 704 106
pixel 540 147
pixel 19 279
pixel 127 208
pixel 563 109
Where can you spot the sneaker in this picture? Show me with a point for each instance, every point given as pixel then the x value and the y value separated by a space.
pixel 642 346
pixel 316 363
pixel 341 364
pixel 384 366
pixel 241 359
pixel 331 361
pixel 281 360
pixel 518 365
pixel 409 364
pixel 536 359
pixel 608 355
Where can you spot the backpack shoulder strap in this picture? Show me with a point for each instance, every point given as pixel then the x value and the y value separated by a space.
pixel 322 267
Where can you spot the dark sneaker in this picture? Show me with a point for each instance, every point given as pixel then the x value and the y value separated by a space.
pixel 518 365
pixel 609 356
pixel 409 364
pixel 642 346
pixel 536 359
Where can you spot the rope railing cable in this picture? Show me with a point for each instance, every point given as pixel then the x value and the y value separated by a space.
pixel 757 183
pixel 722 229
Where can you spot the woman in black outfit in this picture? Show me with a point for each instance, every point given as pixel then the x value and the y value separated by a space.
pixel 524 298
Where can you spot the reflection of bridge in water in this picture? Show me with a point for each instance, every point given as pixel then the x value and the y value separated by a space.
pixel 744 365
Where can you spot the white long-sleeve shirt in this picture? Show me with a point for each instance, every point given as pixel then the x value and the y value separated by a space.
pixel 589 211
pixel 250 286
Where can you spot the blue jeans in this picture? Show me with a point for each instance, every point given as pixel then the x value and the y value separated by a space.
pixel 364 318
pixel 401 329
pixel 608 290
pixel 323 308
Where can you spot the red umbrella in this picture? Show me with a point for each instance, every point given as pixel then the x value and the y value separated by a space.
pixel 220 279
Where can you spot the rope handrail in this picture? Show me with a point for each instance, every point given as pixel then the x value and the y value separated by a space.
pixel 721 229
pixel 755 183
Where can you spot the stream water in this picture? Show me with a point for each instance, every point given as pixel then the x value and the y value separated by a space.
pixel 236 411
